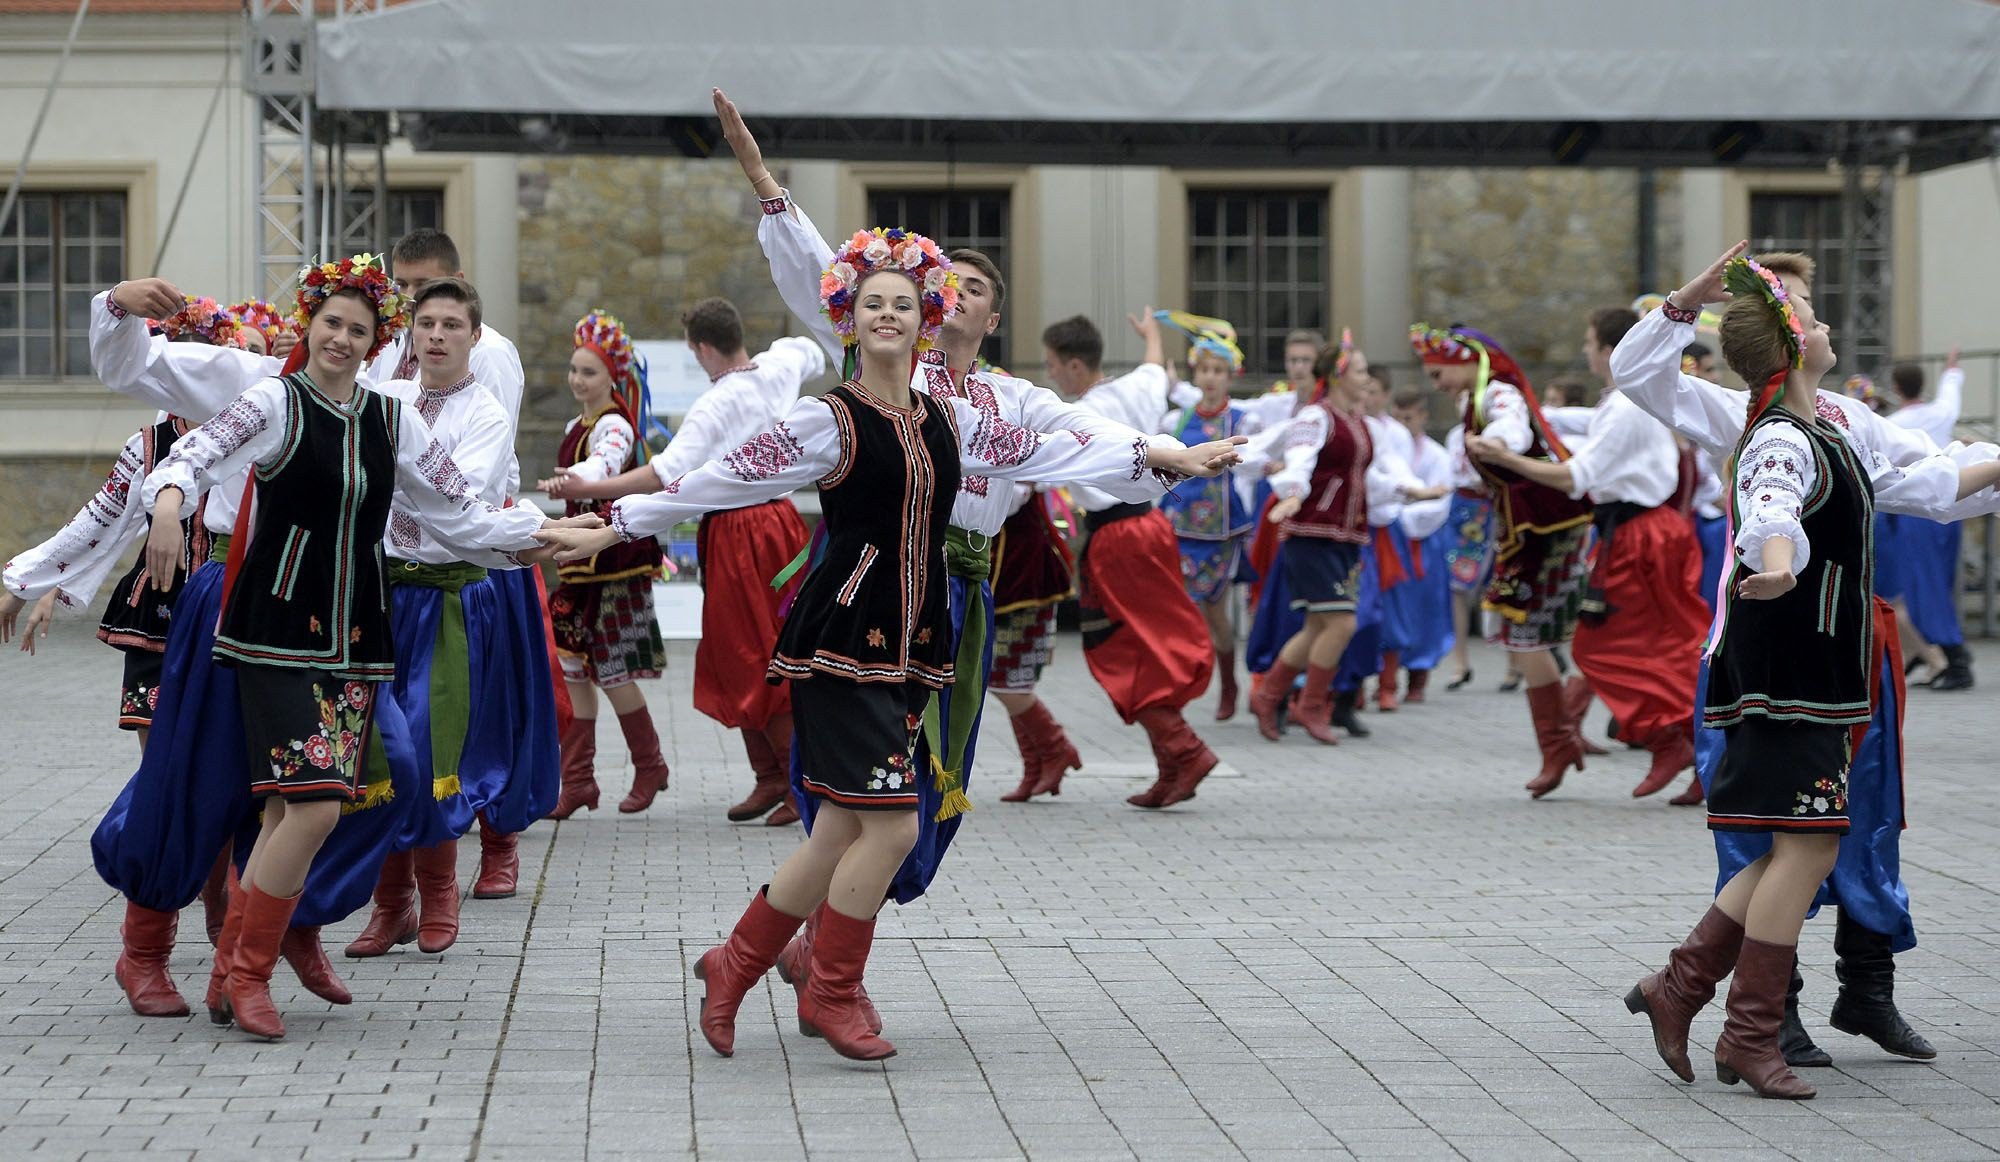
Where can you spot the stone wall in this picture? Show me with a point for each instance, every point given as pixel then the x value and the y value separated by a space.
pixel 1525 255
pixel 642 238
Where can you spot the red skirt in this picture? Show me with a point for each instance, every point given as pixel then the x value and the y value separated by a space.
pixel 741 550
pixel 1642 659
pixel 1143 638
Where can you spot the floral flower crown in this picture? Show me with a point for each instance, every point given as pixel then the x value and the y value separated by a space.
pixel 260 316
pixel 870 251
pixel 604 336
pixel 1440 345
pixel 1746 276
pixel 1860 387
pixel 202 318
pixel 363 272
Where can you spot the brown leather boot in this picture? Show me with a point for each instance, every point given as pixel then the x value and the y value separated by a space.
pixel 770 782
pixel 795 968
pixel 215 893
pixel 830 1005
pixel 142 966
pixel 1694 796
pixel 1673 752
pixel 1228 693
pixel 1313 710
pixel 1385 682
pixel 1420 681
pixel 733 967
pixel 1748 1050
pixel 1577 696
pixel 499 863
pixel 1561 746
pixel 1029 741
pixel 1059 754
pixel 780 734
pixel 1160 725
pixel 1273 690
pixel 217 1001
pixel 579 777
pixel 394 920
pixel 437 891
pixel 1672 996
pixel 307 956
pixel 265 918
pixel 649 770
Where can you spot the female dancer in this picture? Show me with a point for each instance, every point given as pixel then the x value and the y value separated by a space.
pixel 868 642
pixel 303 621
pixel 603 610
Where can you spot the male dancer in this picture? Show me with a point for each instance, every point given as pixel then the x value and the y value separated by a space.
pixel 743 551
pixel 1643 623
pixel 1926 551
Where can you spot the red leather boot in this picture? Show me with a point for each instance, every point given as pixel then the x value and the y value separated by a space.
pixel 795 968
pixel 1672 996
pixel 499 863
pixel 1385 682
pixel 649 770
pixel 437 892
pixel 307 956
pixel 1029 741
pixel 394 920
pixel 215 893
pixel 1191 758
pixel 142 966
pixel 830 1006
pixel 1420 681
pixel 1577 696
pixel 1673 752
pixel 1314 707
pixel 1694 796
pixel 730 969
pixel 1159 722
pixel 579 777
pixel 1225 671
pixel 217 1001
pixel 264 920
pixel 1273 690
pixel 770 785
pixel 1561 746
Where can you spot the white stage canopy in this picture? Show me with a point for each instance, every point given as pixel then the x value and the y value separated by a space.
pixel 1117 80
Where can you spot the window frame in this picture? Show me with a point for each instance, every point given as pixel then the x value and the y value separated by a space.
pixel 68 292
pixel 996 346
pixel 1262 342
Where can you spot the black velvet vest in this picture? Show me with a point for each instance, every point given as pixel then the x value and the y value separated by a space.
pixel 876 607
pixel 1804 657
pixel 310 593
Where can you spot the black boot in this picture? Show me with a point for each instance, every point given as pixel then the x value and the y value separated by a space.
pixel 1345 713
pixel 1793 1040
pixel 1866 1006
pixel 1957 673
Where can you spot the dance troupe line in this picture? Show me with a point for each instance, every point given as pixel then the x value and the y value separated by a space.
pixel 340 659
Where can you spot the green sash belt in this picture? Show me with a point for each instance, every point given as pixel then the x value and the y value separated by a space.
pixel 451 680
pixel 966 555
pixel 218 548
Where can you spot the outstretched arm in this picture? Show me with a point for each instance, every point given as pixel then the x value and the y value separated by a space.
pixel 83 552
pixel 1646 366
pixel 797 254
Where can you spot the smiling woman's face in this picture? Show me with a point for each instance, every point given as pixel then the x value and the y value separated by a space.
pixel 887 316
pixel 340 335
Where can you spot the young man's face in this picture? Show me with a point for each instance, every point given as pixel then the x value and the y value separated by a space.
pixel 1413 416
pixel 409 274
pixel 975 318
pixel 443 335
pixel 1299 363
pixel 1596 354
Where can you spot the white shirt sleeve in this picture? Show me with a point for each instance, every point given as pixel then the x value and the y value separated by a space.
pixel 1298 441
pixel 83 552
pixel 699 438
pixel 1043 410
pixel 1506 418
pixel 496 366
pixel 610 449
pixel 250 430
pixel 430 485
pixel 1614 442
pixel 798 257
pixel 1950 401
pixel 798 450
pixel 1646 366
pixel 991 446
pixel 191 380
pixel 1421 518
pixel 1773 479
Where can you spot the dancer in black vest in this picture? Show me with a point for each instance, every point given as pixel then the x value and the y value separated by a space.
pixel 305 618
pixel 869 640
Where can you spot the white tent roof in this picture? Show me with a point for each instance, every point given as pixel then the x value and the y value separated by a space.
pixel 1218 61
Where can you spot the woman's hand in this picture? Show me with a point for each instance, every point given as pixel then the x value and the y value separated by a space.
pixel 1486 449
pixel 1210 459
pixel 1706 287
pixel 567 485
pixel 1285 509
pixel 282 345
pixel 744 146
pixel 576 544
pixel 38 622
pixel 148 298
pixel 1765 586
pixel 11 605
pixel 166 546
pixel 582 520
pixel 1428 493
pixel 1144 324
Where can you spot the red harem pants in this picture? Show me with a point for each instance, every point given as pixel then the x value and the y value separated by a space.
pixel 742 549
pixel 1643 658
pixel 1144 640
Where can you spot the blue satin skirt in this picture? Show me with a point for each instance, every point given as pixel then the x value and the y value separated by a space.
pixel 1713 536
pixel 1930 578
pixel 934 838
pixel 1362 659
pixel 1416 615
pixel 1867 880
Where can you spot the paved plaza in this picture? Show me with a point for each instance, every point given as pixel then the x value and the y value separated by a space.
pixel 1379 950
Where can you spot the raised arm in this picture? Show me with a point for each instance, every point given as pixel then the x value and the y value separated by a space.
pixel 1646 366
pixel 792 244
pixel 187 379
pixel 77 559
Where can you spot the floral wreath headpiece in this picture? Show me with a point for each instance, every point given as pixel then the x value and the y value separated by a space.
pixel 1746 276
pixel 1860 387
pixel 1215 336
pixel 1460 344
pixel 1439 345
pixel 319 282
pixel 203 319
pixel 600 333
pixel 906 251
pixel 603 335
pixel 260 316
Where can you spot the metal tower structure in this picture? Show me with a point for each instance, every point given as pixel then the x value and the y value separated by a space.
pixel 306 208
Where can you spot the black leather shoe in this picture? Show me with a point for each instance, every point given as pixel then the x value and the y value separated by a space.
pixel 1866 1006
pixel 1344 715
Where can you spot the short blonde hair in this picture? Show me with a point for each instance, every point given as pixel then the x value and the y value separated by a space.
pixel 1755 343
